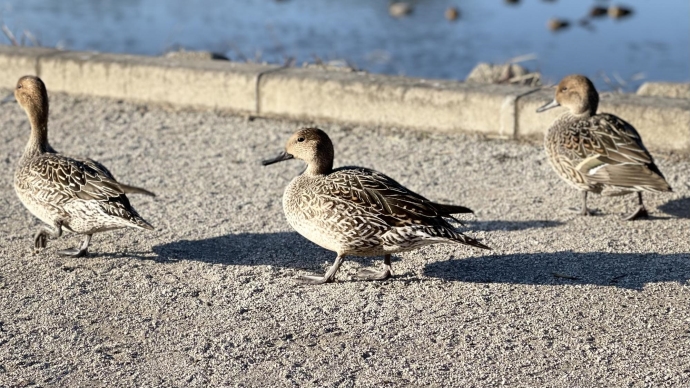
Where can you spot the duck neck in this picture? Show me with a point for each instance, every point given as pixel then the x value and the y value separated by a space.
pixel 319 167
pixel 582 115
pixel 38 141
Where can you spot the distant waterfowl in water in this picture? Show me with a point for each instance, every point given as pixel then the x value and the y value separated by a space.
pixel 452 13
pixel 557 24
pixel 618 12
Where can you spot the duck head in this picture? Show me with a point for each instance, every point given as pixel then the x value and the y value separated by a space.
pixel 311 145
pixel 32 96
pixel 577 93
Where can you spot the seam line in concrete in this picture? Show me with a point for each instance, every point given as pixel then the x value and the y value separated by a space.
pixel 257 86
pixel 516 111
pixel 509 114
pixel 37 66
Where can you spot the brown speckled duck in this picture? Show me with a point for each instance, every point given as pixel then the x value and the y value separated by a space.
pixel 598 153
pixel 79 195
pixel 358 211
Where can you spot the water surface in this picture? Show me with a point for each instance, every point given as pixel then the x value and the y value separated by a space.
pixel 654 41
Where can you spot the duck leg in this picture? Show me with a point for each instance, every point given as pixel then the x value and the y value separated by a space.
pixel 370 274
pixel 583 211
pixel 327 278
pixel 41 238
pixel 78 252
pixel 640 212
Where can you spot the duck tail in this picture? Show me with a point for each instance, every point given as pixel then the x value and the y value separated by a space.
pixel 141 223
pixel 462 239
pixel 127 189
pixel 447 210
pixel 661 186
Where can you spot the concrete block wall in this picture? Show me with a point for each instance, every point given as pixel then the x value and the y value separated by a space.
pixel 333 95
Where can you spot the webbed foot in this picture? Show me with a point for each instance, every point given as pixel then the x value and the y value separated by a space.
pixel 581 211
pixel 311 279
pixel 640 212
pixel 329 277
pixel 370 274
pixel 73 252
pixel 82 251
pixel 41 240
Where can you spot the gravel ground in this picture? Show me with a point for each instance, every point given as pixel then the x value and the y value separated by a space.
pixel 209 297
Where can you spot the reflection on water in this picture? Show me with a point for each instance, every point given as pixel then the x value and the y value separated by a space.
pixel 653 40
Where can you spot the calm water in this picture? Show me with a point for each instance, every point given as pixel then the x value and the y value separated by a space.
pixel 655 40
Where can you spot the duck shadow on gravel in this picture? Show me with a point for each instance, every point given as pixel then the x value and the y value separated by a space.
pixel 283 249
pixel 624 270
pixel 678 207
pixel 488 226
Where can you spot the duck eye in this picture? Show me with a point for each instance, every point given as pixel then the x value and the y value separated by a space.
pixel 300 139
pixel 19 86
pixel 563 89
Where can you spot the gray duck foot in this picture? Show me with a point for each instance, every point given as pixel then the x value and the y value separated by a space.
pixel 82 251
pixel 40 240
pixel 581 211
pixel 73 252
pixel 640 212
pixel 370 274
pixel 314 280
pixel 329 277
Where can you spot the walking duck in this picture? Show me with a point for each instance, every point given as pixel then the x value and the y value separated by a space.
pixel 598 153
pixel 358 211
pixel 79 195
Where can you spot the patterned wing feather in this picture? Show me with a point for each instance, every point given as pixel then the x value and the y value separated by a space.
pixel 379 194
pixel 611 152
pixel 58 179
pixel 608 137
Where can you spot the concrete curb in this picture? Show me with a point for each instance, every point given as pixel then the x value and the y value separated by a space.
pixel 665 89
pixel 319 94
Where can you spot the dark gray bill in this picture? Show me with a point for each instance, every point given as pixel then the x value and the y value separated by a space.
pixel 548 106
pixel 8 98
pixel 283 156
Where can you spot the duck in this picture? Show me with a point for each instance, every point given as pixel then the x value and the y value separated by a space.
pixel 76 194
pixel 358 211
pixel 452 13
pixel 598 152
pixel 618 12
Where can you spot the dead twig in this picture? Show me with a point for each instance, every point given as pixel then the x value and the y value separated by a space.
pixel 8 33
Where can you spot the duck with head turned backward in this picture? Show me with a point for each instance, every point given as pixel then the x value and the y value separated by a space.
pixel 77 194
pixel 598 153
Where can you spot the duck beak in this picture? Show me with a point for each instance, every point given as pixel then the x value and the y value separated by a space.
pixel 8 98
pixel 548 106
pixel 283 156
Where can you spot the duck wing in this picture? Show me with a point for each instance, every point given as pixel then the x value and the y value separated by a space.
pixel 611 152
pixel 57 179
pixel 387 199
pixel 95 165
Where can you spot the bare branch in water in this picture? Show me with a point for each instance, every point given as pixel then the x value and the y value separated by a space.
pixel 8 33
pixel 523 58
pixel 32 38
